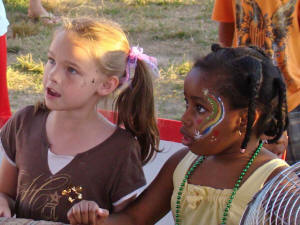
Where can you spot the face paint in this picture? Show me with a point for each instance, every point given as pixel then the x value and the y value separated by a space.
pixel 214 136
pixel 212 120
pixel 213 139
pixel 197 134
pixel 216 133
pixel 199 121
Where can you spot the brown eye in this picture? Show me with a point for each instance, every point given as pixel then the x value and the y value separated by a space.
pixel 200 109
pixel 186 103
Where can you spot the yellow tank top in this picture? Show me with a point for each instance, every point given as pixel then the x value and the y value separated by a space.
pixel 205 205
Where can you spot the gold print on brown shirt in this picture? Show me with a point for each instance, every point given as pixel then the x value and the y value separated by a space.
pixel 266 31
pixel 43 194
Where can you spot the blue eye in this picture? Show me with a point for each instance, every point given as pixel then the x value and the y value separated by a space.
pixel 51 61
pixel 72 70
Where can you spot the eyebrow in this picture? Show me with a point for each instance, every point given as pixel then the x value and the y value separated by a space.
pixel 198 98
pixel 72 64
pixel 50 52
pixel 67 61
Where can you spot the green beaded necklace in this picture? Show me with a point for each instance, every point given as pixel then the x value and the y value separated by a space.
pixel 236 186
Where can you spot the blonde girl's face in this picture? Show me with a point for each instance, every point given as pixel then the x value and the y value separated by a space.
pixel 71 76
pixel 209 123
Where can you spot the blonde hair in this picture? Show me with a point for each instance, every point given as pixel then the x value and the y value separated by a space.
pixel 134 107
pixel 106 40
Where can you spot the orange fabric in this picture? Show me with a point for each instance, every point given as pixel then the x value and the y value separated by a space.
pixel 223 11
pixel 272 25
pixel 299 15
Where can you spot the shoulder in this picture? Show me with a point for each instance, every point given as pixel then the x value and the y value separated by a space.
pixel 179 155
pixel 124 143
pixel 270 162
pixel 267 156
pixel 175 159
pixel 27 110
pixel 123 138
pixel 124 134
pixel 15 128
pixel 20 116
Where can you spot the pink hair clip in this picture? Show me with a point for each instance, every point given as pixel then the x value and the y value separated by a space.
pixel 135 54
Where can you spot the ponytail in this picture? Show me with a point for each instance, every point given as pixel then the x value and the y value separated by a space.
pixel 40 106
pixel 135 107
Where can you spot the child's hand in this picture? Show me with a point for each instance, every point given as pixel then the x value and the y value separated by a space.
pixel 87 212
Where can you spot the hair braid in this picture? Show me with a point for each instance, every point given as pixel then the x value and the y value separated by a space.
pixel 255 83
pixel 251 72
pixel 281 112
pixel 250 80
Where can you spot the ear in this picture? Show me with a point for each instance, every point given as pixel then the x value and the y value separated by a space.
pixel 107 85
pixel 243 120
pixel 256 117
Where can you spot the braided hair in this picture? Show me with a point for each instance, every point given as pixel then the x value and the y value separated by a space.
pixel 250 80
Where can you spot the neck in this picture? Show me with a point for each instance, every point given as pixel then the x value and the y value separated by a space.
pixel 233 152
pixel 69 120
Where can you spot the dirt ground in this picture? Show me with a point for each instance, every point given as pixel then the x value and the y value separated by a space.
pixel 173 31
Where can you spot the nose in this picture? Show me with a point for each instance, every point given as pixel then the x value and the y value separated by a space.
pixel 186 118
pixel 53 74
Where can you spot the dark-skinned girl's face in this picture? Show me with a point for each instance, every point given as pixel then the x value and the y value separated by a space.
pixel 210 126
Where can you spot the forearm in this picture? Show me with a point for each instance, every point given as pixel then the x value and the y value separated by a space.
pixel 7 200
pixel 151 205
pixel 120 218
pixel 226 32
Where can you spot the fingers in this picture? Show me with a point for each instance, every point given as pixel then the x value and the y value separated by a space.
pixel 5 212
pixel 92 212
pixel 74 215
pixel 86 212
pixel 71 219
pixel 101 215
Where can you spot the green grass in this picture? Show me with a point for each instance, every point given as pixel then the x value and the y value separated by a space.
pixel 16 5
pixel 174 31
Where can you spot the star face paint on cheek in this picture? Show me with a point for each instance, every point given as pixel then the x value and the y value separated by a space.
pixel 212 120
pixel 197 135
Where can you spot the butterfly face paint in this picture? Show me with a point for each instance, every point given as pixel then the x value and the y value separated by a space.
pixel 213 119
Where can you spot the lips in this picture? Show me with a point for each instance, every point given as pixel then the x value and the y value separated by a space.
pixel 51 92
pixel 186 139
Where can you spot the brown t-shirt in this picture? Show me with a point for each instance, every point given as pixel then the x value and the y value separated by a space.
pixel 104 173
